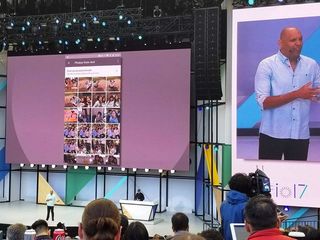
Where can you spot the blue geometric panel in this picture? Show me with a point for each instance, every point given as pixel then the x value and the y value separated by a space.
pixel 4 168
pixel 249 113
pixel 311 46
pixel 199 184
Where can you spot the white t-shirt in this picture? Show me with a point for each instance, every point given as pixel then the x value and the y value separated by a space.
pixel 51 200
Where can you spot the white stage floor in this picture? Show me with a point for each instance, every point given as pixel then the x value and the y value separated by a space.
pixel 28 212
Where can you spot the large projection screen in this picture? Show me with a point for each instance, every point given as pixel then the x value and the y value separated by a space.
pixel 125 109
pixel 255 33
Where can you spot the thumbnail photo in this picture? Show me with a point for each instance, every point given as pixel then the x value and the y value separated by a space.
pixel 70 115
pixel 113 116
pixel 70 130
pixel 99 84
pixel 113 84
pixel 99 99
pixel 113 131
pixel 98 146
pixel 113 100
pixel 84 146
pixel 85 84
pixel 71 100
pixel 98 115
pixel 71 84
pixel 84 115
pixel 85 100
pixel 98 131
pixel 84 130
pixel 69 158
pixel 70 146
pixel 112 160
pixel 113 147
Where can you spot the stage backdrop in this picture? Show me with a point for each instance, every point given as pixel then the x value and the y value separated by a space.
pixel 255 35
pixel 128 109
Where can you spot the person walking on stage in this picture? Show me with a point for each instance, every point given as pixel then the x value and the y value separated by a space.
pixel 51 200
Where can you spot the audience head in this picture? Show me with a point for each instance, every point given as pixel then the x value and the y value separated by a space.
pixel 260 213
pixel 124 224
pixel 41 227
pixel 16 231
pixel 158 237
pixel 100 221
pixel 29 234
pixel 180 222
pixel 310 232
pixel 211 234
pixel 136 231
pixel 188 236
pixel 61 225
pixel 240 182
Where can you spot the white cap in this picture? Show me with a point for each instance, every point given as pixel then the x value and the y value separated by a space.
pixel 296 234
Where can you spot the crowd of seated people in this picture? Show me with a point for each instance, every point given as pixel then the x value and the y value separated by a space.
pixel 101 220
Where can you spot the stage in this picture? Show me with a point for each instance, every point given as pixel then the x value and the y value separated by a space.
pixel 28 212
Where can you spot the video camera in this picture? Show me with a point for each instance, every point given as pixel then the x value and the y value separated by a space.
pixel 260 183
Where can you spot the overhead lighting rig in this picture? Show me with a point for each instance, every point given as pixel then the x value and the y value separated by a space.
pixel 82 31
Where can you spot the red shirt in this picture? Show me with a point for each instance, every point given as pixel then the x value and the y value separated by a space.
pixel 268 234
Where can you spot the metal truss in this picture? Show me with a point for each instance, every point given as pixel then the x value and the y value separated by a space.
pixel 106 23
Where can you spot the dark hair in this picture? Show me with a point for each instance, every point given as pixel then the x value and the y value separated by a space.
pixel 310 232
pixel 261 213
pixel 39 224
pixel 124 224
pixel 101 220
pixel 211 234
pixel 180 222
pixel 240 182
pixel 136 231
pixel 188 236
pixel 61 225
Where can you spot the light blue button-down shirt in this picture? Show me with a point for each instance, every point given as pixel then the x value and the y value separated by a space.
pixel 275 77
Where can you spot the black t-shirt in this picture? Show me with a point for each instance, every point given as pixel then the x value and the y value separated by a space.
pixel 139 196
pixel 43 237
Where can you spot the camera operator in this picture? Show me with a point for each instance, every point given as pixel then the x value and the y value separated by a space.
pixel 232 209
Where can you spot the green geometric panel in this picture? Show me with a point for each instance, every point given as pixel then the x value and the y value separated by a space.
pixel 76 180
pixel 226 164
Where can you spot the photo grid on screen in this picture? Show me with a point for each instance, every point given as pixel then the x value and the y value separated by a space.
pixel 92 120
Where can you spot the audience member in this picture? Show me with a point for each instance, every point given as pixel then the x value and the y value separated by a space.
pixel 232 209
pixel 310 232
pixel 211 234
pixel 136 231
pixel 124 225
pixel 16 231
pixel 42 230
pixel 188 236
pixel 180 225
pixel 29 234
pixel 61 225
pixel 261 219
pixel 100 221
pixel 158 237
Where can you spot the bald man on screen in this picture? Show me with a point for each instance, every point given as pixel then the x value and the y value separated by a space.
pixel 285 85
